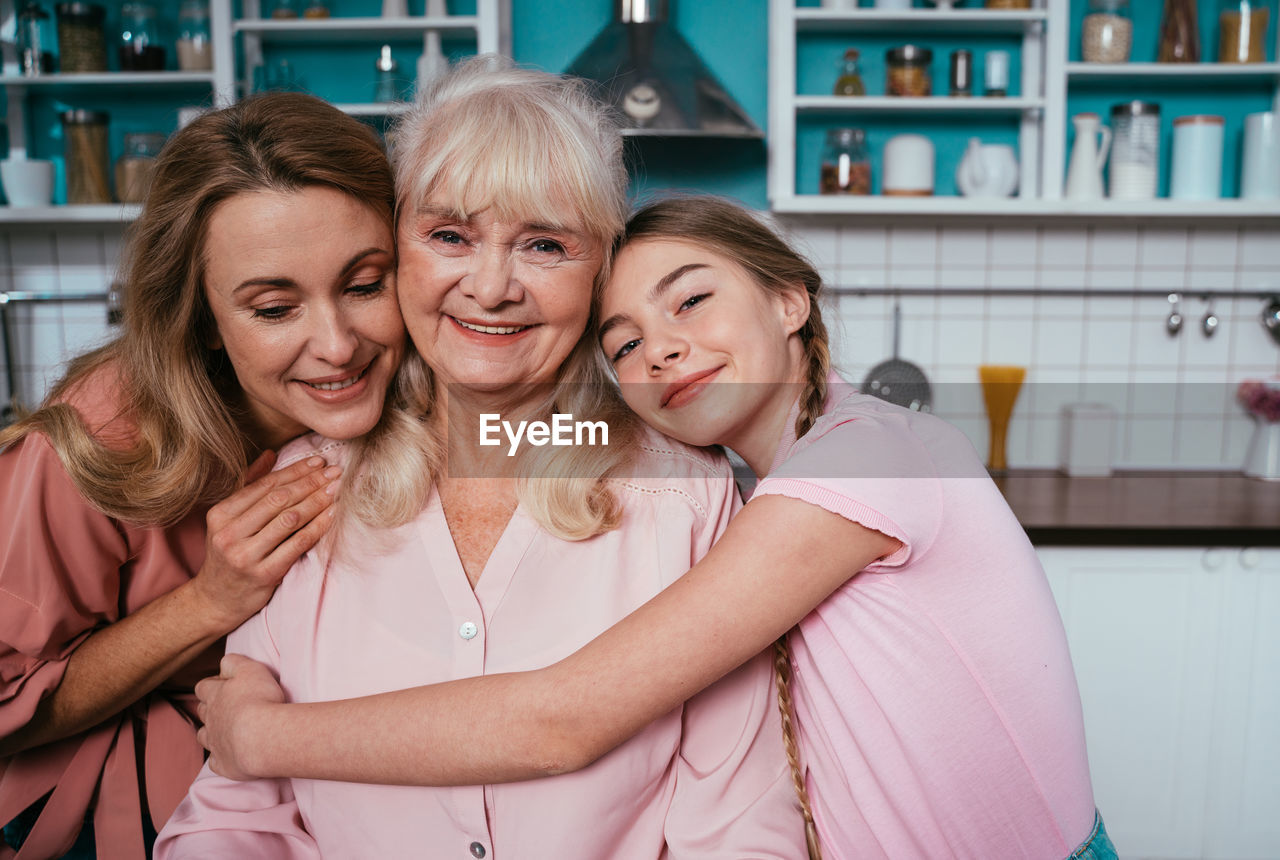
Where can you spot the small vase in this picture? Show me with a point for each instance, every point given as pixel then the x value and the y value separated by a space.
pixel 1262 461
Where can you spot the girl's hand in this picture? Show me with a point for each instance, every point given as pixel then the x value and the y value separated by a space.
pixel 227 705
pixel 257 533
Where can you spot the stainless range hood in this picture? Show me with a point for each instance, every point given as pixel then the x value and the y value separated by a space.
pixel 644 68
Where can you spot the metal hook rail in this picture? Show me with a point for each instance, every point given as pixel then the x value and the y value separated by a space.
pixel 10 410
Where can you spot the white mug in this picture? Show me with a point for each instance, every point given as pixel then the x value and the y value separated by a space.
pixel 27 182
pixel 1260 164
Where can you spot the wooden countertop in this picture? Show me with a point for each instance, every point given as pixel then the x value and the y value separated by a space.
pixel 1145 508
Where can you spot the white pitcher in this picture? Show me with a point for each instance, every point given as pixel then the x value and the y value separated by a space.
pixel 987 170
pixel 1088 157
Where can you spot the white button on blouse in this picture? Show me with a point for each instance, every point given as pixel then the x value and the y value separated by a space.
pixel 468 630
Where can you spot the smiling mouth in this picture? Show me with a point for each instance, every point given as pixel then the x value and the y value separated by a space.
pixel 679 393
pixel 339 384
pixel 491 329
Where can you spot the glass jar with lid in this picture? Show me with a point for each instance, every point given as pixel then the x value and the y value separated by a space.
pixel 82 45
pixel 1179 32
pixel 1242 31
pixel 136 167
pixel 85 141
pixel 908 71
pixel 1135 150
pixel 140 48
pixel 195 50
pixel 1107 35
pixel 846 163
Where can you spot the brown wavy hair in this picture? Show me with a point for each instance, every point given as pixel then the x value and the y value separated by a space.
pixel 187 440
pixel 727 229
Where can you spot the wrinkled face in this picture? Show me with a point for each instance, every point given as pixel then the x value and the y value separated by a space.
pixel 679 323
pixel 302 289
pixel 492 304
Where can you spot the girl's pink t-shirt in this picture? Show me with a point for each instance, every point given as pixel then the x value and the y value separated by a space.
pixel 937 704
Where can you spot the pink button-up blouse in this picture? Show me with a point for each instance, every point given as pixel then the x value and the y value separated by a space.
pixel 706 780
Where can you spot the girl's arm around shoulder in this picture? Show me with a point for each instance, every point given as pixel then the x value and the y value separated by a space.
pixel 777 560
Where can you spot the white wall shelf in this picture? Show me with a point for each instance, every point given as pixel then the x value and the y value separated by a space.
pixel 101 214
pixel 900 105
pixel 373 109
pixel 347 30
pixel 810 20
pixel 1039 111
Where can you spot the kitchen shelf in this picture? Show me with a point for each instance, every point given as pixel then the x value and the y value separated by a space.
pixel 930 104
pixel 1183 75
pixel 1021 207
pixel 374 109
pixel 104 213
pixel 917 21
pixel 346 30
pixel 59 84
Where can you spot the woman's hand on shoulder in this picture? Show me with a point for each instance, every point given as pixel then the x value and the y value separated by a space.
pixel 228 703
pixel 257 533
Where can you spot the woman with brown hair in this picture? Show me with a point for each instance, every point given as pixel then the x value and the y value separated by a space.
pixel 259 304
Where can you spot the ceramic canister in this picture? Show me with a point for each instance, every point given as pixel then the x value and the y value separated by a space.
pixel 1260 163
pixel 1196 173
pixel 908 166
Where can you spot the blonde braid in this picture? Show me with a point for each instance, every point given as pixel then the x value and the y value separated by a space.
pixel 782 671
pixel 817 350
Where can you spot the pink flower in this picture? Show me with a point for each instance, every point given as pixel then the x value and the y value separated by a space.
pixel 1261 398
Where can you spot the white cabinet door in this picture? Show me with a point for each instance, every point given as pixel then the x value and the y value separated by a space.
pixel 1243 821
pixel 1143 625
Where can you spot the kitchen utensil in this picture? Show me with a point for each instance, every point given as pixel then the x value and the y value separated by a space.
pixel 1000 387
pixel 1088 157
pixel 897 381
pixel 1173 324
pixel 1209 324
pixel 1271 318
pixel 987 170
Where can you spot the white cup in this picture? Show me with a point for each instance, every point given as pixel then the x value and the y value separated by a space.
pixel 1260 163
pixel 27 182
pixel 908 166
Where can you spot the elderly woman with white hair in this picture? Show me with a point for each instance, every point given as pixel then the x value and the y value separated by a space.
pixel 466 559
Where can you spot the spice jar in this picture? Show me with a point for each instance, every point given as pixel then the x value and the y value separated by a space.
pixel 1135 150
pixel 1242 31
pixel 1107 36
pixel 849 82
pixel 195 50
pixel 316 10
pixel 82 45
pixel 1008 4
pixel 1179 33
pixel 85 141
pixel 33 57
pixel 846 164
pixel 386 88
pixel 995 77
pixel 961 73
pixel 285 9
pixel 136 167
pixel 140 48
pixel 909 71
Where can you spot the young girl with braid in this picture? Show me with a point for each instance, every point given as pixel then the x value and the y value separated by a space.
pixel 928 695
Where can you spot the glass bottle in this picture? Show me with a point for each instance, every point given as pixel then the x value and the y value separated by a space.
pixel 285 9
pixel 1107 36
pixel 137 165
pixel 140 48
pixel 1179 33
pixel 908 71
pixel 386 87
pixel 1242 31
pixel 195 50
pixel 961 73
pixel 846 164
pixel 849 82
pixel 33 58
